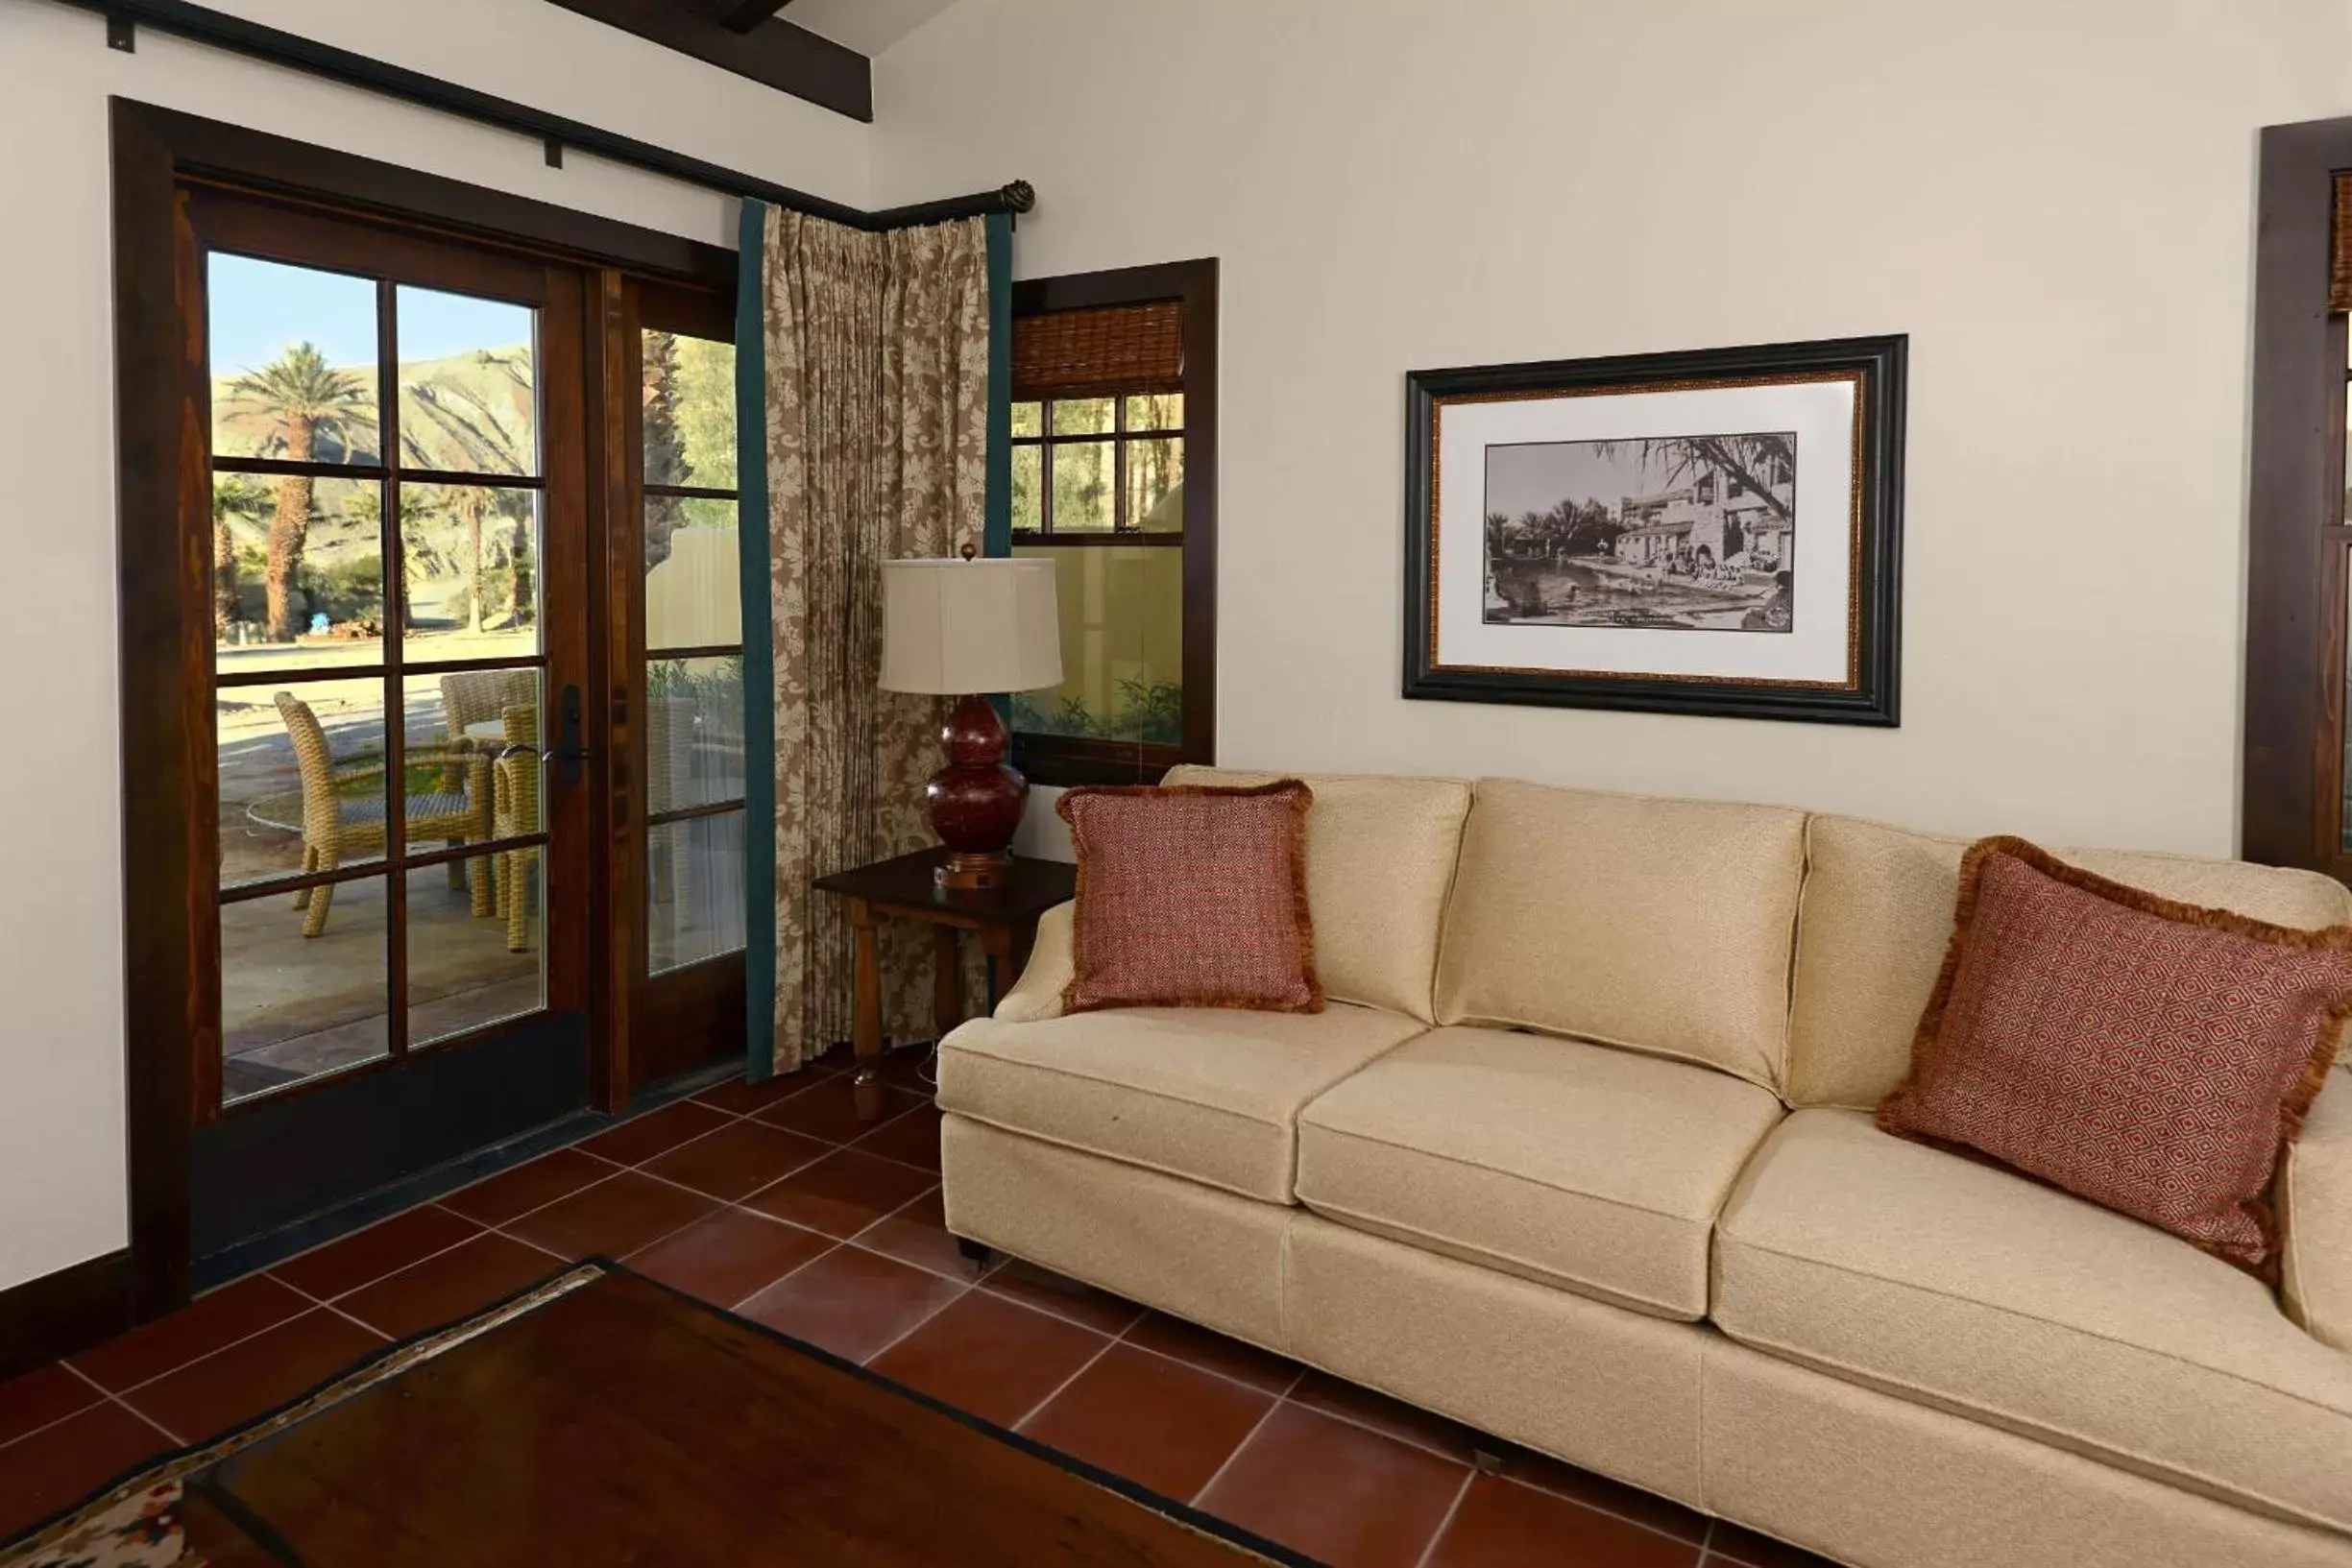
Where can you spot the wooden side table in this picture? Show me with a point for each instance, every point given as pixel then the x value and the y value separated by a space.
pixel 1005 917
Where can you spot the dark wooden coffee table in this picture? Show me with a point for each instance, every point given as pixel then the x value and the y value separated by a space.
pixel 1005 917
pixel 625 1423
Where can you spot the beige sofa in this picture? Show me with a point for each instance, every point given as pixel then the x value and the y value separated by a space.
pixel 1581 1155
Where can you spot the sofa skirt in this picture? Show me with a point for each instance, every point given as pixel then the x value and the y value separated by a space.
pixel 1850 1472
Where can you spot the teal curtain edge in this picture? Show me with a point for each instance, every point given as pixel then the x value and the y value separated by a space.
pixel 759 650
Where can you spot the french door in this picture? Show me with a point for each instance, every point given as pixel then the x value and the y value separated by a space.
pixel 404 673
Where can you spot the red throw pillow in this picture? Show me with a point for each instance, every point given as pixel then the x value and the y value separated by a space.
pixel 2152 1056
pixel 1192 897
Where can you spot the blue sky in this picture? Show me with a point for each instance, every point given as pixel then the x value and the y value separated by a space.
pixel 260 307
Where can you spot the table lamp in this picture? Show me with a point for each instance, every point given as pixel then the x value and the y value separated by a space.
pixel 961 629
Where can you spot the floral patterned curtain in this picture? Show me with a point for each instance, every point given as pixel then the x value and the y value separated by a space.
pixel 876 349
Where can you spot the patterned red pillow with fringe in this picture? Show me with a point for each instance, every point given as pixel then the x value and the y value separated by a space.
pixel 1189 895
pixel 2152 1056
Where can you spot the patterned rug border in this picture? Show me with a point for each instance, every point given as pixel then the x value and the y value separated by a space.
pixel 378 1365
pixel 390 1361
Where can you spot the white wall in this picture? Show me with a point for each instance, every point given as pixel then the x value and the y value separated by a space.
pixel 2054 200
pixel 62 1048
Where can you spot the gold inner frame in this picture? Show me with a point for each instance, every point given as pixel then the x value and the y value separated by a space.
pixel 1853 511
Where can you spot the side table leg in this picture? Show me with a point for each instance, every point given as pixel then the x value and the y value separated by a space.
pixel 946 981
pixel 865 1087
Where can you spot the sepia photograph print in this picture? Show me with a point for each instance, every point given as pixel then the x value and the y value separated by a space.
pixel 1678 531
pixel 1714 532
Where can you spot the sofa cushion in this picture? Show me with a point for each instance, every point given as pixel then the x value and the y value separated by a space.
pixel 1957 1283
pixel 1380 856
pixel 1661 926
pixel 1876 918
pixel 1594 1170
pixel 2315 1213
pixel 1209 1094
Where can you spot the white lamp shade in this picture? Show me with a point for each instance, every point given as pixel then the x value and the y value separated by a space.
pixel 956 628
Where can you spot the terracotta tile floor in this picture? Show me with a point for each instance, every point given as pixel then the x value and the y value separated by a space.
pixel 747 1196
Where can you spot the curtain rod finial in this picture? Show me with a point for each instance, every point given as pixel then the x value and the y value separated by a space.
pixel 1020 196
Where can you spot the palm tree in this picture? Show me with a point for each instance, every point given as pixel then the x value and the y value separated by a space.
pixel 301 396
pixel 472 504
pixel 233 496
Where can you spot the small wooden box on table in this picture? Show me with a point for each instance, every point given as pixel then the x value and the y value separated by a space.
pixel 1005 917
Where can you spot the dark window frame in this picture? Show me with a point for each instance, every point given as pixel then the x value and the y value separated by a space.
pixel 2300 536
pixel 1073 760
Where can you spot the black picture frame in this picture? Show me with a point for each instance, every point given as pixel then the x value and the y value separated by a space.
pixel 1870 694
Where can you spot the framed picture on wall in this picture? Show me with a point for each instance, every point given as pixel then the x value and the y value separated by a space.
pixel 1716 532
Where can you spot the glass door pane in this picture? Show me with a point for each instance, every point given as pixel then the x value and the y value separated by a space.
pixel 691 669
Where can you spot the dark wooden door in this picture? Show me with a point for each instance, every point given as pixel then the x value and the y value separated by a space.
pixel 407 745
pixel 676 643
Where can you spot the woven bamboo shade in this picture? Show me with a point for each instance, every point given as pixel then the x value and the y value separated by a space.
pixel 2340 264
pixel 1078 354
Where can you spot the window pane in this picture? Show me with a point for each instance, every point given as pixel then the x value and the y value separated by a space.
pixel 474 953
pixel 468 383
pixel 694 573
pixel 1122 645
pixel 693 733
pixel 689 411
pixel 301 782
pixel 1082 416
pixel 473 740
pixel 1029 418
pixel 293 352
pixel 1081 486
pixel 295 1006
pixel 1028 487
pixel 1156 485
pixel 1156 411
pixel 694 890
pixel 298 571
pixel 470 556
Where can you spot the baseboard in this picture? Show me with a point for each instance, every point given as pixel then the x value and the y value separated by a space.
pixel 70 1309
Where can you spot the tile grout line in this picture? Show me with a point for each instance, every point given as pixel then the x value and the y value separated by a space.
pixel 880 1351
pixel 1107 1345
pixel 326 1304
pixel 1610 1512
pixel 1247 1438
pixel 107 1396
pixel 738 1308
pixel 1460 1495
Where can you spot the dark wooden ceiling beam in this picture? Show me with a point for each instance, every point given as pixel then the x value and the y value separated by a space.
pixel 750 14
pixel 773 52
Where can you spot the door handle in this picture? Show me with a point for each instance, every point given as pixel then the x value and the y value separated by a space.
pixel 569 753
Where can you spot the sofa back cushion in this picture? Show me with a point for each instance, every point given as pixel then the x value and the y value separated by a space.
pixel 1661 926
pixel 1380 856
pixel 1876 918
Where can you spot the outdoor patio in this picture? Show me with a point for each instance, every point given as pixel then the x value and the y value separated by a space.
pixel 293 1006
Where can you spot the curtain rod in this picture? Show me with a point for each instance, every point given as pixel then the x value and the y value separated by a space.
pixel 220 29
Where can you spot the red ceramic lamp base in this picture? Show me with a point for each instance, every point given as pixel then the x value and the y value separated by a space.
pixel 975 801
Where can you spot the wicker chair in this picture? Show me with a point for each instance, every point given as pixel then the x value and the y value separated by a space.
pixel 472 696
pixel 336 827
pixel 515 783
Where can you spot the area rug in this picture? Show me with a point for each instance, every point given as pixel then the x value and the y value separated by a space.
pixel 600 1416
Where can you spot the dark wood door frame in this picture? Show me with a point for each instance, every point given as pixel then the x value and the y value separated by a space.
pixel 163 402
pixel 2298 543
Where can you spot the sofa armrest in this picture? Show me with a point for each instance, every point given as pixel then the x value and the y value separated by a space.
pixel 2314 1205
pixel 1037 994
